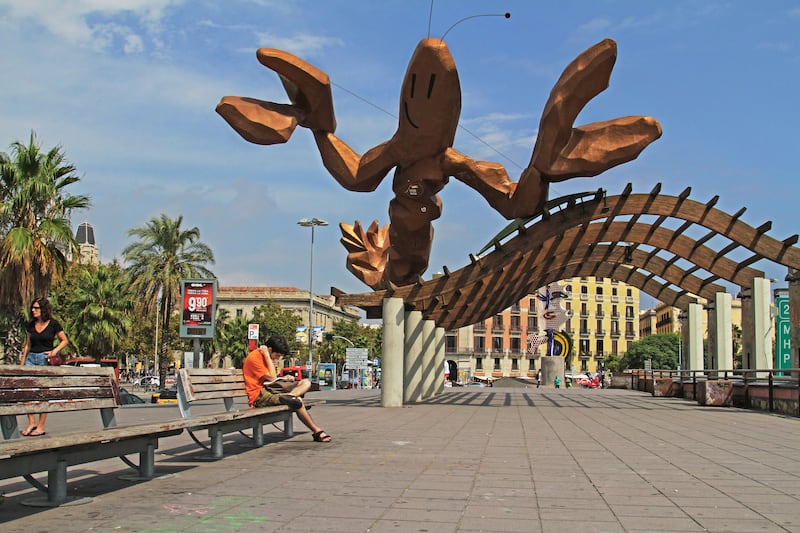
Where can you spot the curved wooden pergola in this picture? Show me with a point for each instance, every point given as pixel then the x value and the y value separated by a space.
pixel 596 235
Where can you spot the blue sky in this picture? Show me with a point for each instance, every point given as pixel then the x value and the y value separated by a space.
pixel 128 89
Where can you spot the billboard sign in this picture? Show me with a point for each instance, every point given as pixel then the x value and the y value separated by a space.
pixel 198 299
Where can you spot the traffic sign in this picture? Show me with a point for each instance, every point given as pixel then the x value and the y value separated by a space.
pixel 783 331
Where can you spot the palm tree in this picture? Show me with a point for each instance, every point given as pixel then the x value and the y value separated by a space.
pixel 35 228
pixel 164 255
pixel 100 309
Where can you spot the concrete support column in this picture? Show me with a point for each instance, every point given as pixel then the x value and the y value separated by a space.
pixel 711 337
pixel 794 315
pixel 722 353
pixel 438 360
pixel 762 323
pixel 552 367
pixel 392 353
pixel 428 358
pixel 695 344
pixel 746 295
pixel 412 362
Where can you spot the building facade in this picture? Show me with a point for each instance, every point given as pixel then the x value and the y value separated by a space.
pixel 603 319
pixel 241 301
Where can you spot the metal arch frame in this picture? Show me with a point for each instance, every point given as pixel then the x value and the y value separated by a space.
pixel 584 239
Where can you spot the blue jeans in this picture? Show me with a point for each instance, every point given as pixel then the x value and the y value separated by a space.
pixel 36 359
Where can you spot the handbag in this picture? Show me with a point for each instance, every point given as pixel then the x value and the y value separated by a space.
pixel 55 360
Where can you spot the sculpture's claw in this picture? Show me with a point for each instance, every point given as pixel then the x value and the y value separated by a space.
pixel 308 88
pixel 599 146
pixel 563 152
pixel 367 251
pixel 257 121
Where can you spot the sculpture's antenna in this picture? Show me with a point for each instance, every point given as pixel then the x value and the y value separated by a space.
pixel 505 15
pixel 430 17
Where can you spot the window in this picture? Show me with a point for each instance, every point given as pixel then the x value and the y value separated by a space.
pixel 496 363
pixel 515 323
pixel 584 367
pixel 584 309
pixel 614 327
pixel 479 363
pixel 599 290
pixel 239 312
pixel 629 311
pixel 599 347
pixel 515 345
pixel 497 322
pixel 599 330
pixel 584 326
pixel 584 347
pixel 628 328
pixel 450 344
pixel 531 305
pixel 515 364
pixel 480 344
pixel 532 323
pixel 599 310
pixel 584 289
pixel 629 292
pixel 613 291
pixel 497 344
pixel 614 348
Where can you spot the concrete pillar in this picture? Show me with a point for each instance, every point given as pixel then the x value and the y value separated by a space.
pixel 392 354
pixel 412 362
pixel 428 357
pixel 438 359
pixel 694 323
pixel 794 315
pixel 711 337
pixel 552 367
pixel 762 323
pixel 746 295
pixel 722 353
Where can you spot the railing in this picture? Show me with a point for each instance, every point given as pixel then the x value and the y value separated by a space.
pixel 747 379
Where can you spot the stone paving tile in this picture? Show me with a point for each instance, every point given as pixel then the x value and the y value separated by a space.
pixel 403 526
pixel 728 525
pixel 561 526
pixel 501 525
pixel 656 511
pixel 641 523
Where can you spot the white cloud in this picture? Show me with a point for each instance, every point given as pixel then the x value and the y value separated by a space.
pixel 301 44
pixel 70 20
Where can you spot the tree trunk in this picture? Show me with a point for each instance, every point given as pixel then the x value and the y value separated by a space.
pixel 13 340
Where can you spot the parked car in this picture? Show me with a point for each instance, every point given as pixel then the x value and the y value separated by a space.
pixel 127 398
pixel 169 395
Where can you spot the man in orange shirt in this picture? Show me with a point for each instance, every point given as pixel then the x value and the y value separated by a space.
pixel 264 389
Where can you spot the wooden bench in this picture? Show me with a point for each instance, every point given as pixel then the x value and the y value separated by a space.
pixel 42 389
pixel 227 384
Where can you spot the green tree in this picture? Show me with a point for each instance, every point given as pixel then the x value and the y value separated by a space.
pixel 163 255
pixel 233 340
pixel 662 349
pixel 35 229
pixel 272 319
pixel 100 311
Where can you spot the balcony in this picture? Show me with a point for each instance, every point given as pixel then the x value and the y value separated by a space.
pixel 630 335
pixel 479 327
pixel 615 333
pixel 599 298
pixel 584 297
pixel 584 333
pixel 584 314
pixel 615 298
pixel 629 299
pixel 600 333
pixel 599 314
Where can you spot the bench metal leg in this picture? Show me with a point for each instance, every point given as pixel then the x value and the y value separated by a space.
pixel 56 490
pixel 258 434
pixel 216 443
pixel 288 426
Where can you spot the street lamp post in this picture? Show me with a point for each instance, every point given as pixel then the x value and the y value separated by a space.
pixel 311 223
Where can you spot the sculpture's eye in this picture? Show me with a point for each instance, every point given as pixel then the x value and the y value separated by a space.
pixel 430 85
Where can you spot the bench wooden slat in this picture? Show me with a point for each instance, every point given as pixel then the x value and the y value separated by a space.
pixel 60 394
pixel 22 408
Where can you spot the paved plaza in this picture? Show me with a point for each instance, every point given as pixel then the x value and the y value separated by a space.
pixel 489 459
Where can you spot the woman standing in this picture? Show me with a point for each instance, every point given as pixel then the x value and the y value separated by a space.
pixel 43 329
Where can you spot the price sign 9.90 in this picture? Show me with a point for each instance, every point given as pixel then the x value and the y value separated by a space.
pixel 198 298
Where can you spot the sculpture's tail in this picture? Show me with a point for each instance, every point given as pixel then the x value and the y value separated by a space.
pixel 367 251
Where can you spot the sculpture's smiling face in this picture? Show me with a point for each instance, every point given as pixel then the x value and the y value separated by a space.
pixel 430 102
